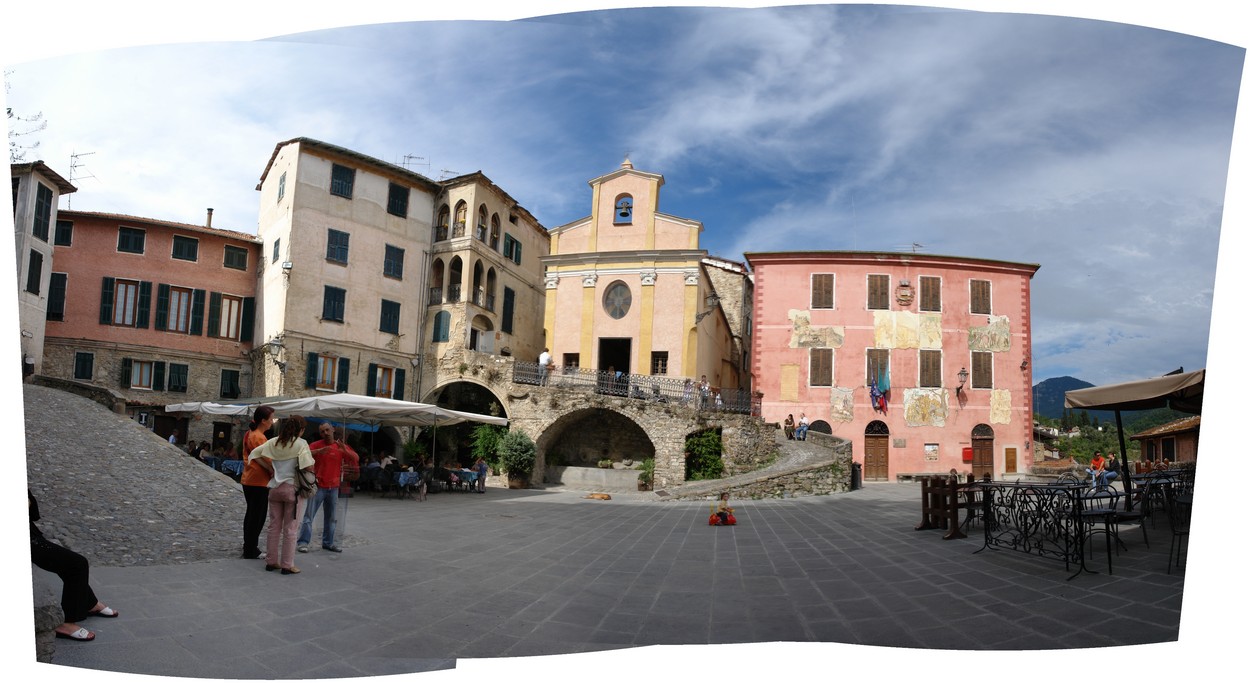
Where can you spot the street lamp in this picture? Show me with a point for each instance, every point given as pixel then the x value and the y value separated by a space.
pixel 712 301
pixel 963 379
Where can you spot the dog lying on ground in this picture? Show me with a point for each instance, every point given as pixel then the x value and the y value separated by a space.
pixel 598 496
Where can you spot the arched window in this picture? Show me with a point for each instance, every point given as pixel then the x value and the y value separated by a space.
pixel 624 213
pixel 479 292
pixel 494 232
pixel 481 223
pixel 442 326
pixel 490 290
pixel 436 282
pixel 455 276
pixel 462 215
pixel 440 225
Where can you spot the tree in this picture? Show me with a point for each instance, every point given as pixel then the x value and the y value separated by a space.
pixel 703 456
pixel 19 126
pixel 486 439
pixel 517 454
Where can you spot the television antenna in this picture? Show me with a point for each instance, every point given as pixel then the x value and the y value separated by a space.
pixel 412 159
pixel 446 173
pixel 74 165
pixel 914 246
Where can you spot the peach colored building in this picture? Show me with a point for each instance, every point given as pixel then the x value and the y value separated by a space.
pixel 627 289
pixel 948 338
pixel 160 312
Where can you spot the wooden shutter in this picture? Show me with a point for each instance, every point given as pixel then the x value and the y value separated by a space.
pixel 399 384
pixel 930 294
pixel 214 314
pixel 126 363
pixel 930 368
pixel 246 326
pixel 106 301
pixel 161 319
pixel 879 292
pixel 822 290
pixel 982 370
pixel 980 294
pixel 509 307
pixel 197 312
pixel 371 381
pixel 158 376
pixel 56 297
pixel 820 368
pixel 343 375
pixel 145 304
pixel 310 374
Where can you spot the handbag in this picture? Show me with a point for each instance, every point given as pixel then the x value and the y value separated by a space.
pixel 305 483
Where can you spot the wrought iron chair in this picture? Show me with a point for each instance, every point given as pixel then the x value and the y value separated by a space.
pixel 1180 508
pixel 1098 507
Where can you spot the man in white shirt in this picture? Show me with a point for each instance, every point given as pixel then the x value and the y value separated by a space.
pixel 544 359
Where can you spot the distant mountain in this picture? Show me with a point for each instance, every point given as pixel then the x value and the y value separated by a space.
pixel 1048 397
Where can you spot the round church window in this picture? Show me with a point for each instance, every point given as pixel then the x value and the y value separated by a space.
pixel 616 300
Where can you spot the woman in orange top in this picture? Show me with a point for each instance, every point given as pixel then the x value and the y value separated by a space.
pixel 255 482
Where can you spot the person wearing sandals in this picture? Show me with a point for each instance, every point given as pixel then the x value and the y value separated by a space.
pixel 255 481
pixel 78 601
pixel 281 456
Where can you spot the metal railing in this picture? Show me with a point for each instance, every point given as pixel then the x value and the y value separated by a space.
pixel 440 233
pixel 453 294
pixel 658 388
pixel 457 230
pixel 436 296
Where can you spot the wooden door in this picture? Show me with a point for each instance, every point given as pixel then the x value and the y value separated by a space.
pixel 876 457
pixel 982 458
pixel 1010 455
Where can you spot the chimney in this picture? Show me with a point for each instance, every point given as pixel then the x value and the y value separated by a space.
pixel 209 222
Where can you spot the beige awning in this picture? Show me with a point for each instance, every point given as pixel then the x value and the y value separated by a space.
pixel 1181 392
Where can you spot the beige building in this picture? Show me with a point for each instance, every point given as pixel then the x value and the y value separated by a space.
pixel 36 192
pixel 342 284
pixel 628 289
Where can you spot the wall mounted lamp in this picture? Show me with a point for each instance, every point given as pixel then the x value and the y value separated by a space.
pixel 963 379
pixel 712 300
pixel 274 348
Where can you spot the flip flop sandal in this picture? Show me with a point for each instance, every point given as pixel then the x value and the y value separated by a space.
pixel 106 612
pixel 80 634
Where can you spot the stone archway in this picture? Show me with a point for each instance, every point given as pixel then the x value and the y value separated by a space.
pixel 455 442
pixel 574 444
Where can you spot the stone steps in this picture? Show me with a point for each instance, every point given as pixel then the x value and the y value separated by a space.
pixel 794 457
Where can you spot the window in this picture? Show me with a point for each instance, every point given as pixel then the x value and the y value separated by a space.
pixel 281 186
pixel 235 257
pixel 494 232
pixel 442 326
pixel 393 262
pixel 125 302
pixel 397 201
pixel 390 317
pixel 572 360
pixel 982 370
pixel 878 367
pixel 659 362
pixel 178 377
pixel 34 272
pixel 64 233
pixel 130 240
pixel 822 290
pixel 511 249
pixel 186 248
pixel 820 367
pixel 385 382
pixel 84 365
pixel 140 373
pixel 342 179
pixel 336 246
pixel 333 304
pixel 276 250
pixel 481 223
pixel 509 310
pixel 230 384
pixel 617 299
pixel 329 373
pixel 930 293
pixel 43 211
pixel 225 312
pixel 979 293
pixel 56 297
pixel 624 213
pixel 878 292
pixel 176 304
pixel 930 368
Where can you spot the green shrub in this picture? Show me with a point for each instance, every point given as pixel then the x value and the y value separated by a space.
pixel 517 454
pixel 486 443
pixel 703 456
pixel 646 473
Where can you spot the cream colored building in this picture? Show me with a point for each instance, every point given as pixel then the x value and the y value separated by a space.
pixel 627 289
pixel 36 192
pixel 342 286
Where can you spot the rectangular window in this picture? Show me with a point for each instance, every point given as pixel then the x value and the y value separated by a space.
pixel 34 272
pixel 333 304
pixel 397 201
pixel 982 370
pixel 235 257
pixel 56 297
pixel 84 365
pixel 125 298
pixel 878 366
pixel 930 368
pixel 186 248
pixel 178 377
pixel 229 383
pixel 878 292
pixel 822 290
pixel 224 317
pixel 178 313
pixel 64 233
pixel 327 372
pixel 511 249
pixel 393 263
pixel 572 360
pixel 276 250
pixel 281 186
pixel 336 246
pixel 141 374
pixel 130 240
pixel 509 310
pixel 383 381
pixel 979 294
pixel 930 293
pixel 341 180
pixel 43 211
pixel 390 317
pixel 820 367
pixel 659 362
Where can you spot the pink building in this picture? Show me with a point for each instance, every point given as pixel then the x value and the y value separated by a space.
pixel 159 312
pixel 920 361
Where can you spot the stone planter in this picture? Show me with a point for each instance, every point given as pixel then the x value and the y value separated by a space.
pixel 518 482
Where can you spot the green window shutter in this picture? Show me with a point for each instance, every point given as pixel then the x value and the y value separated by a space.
pixel 214 314
pixel 161 319
pixel 343 374
pixel 399 384
pixel 509 306
pixel 310 375
pixel 125 373
pixel 516 253
pixel 145 304
pixel 56 297
pixel 371 380
pixel 246 325
pixel 197 312
pixel 158 376
pixel 106 301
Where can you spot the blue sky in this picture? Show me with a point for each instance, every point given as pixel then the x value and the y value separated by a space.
pixel 1095 146
pixel 1096 149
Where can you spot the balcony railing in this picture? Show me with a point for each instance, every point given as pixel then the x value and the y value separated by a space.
pixel 436 296
pixel 657 388
pixel 490 302
pixel 440 233
pixel 453 294
pixel 481 233
pixel 457 230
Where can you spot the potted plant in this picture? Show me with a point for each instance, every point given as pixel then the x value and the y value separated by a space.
pixel 516 456
pixel 606 464
pixel 646 474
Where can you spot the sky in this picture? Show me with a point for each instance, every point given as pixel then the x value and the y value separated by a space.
pixel 1098 148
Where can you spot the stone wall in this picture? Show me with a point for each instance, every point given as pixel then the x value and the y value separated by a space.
pixel 48 613
pixel 108 398
pixel 203 371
